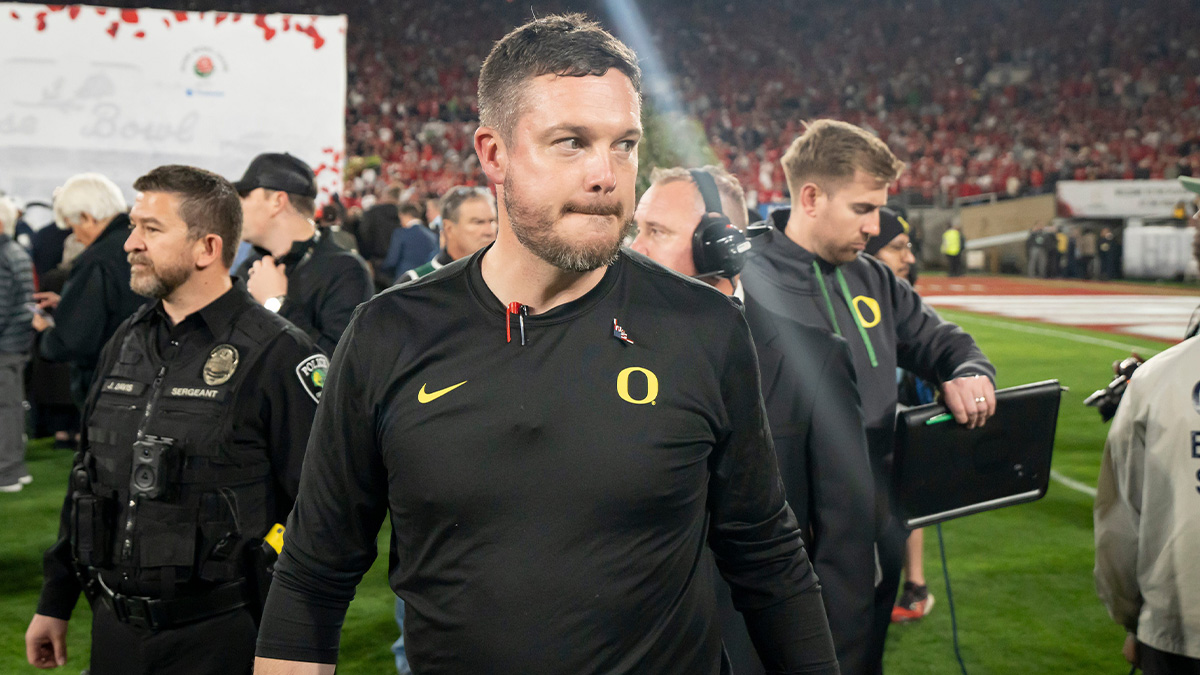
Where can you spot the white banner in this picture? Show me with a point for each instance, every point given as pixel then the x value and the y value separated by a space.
pixel 120 91
pixel 1158 252
pixel 1120 198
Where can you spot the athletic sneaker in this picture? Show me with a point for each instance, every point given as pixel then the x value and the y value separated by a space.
pixel 15 487
pixel 25 480
pixel 915 602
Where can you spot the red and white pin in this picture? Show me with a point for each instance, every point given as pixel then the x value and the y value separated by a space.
pixel 620 333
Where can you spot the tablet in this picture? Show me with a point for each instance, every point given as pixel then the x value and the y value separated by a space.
pixel 944 470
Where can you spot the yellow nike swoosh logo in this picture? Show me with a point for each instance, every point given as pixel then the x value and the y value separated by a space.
pixel 427 397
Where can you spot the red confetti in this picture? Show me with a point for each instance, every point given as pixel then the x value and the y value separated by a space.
pixel 74 11
pixel 129 15
pixel 268 32
pixel 221 16
pixel 41 18
pixel 166 22
pixel 112 30
pixel 237 18
pixel 140 34
pixel 287 23
pixel 56 8
pixel 181 16
pixel 311 31
pixel 101 11
pixel 14 15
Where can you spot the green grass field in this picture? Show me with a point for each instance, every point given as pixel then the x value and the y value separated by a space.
pixel 1022 576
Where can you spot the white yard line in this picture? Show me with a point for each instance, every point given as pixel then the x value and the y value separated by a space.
pixel 1050 332
pixel 1073 484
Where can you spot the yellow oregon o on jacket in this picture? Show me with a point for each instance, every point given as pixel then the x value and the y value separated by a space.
pixel 952 242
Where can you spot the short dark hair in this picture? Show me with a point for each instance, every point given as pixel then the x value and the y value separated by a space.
pixel 304 205
pixel 411 209
pixel 208 203
pixel 453 200
pixel 569 45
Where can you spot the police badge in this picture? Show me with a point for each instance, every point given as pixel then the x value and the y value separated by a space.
pixel 222 363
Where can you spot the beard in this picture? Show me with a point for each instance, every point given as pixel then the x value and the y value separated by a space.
pixel 535 228
pixel 152 282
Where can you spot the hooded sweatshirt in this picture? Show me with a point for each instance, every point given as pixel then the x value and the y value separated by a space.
pixel 882 317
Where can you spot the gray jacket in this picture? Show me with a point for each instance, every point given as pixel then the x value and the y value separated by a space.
pixel 897 328
pixel 1146 515
pixel 16 291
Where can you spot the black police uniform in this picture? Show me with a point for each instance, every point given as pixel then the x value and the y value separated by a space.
pixel 193 440
pixel 325 284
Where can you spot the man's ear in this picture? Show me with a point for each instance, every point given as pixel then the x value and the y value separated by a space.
pixel 278 201
pixel 208 251
pixel 810 193
pixel 493 153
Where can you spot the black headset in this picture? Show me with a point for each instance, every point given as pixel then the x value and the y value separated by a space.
pixel 718 248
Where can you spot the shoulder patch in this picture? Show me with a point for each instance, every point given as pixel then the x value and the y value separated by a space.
pixel 311 372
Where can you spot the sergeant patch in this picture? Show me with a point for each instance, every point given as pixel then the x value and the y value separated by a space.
pixel 311 372
pixel 222 363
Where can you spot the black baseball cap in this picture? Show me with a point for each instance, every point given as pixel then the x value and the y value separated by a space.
pixel 891 225
pixel 278 171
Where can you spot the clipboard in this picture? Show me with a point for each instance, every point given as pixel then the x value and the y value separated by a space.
pixel 944 471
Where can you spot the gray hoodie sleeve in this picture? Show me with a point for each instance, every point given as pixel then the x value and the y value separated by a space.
pixel 930 346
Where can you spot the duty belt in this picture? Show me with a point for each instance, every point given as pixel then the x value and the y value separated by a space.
pixel 157 614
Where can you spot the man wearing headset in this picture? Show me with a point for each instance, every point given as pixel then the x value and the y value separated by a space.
pixel 812 406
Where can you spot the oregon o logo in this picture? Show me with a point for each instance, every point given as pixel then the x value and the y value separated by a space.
pixel 871 305
pixel 651 386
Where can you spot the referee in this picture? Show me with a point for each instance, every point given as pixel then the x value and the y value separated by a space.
pixel 556 427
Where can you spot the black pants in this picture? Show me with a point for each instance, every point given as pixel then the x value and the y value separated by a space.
pixel 223 644
pixel 1155 662
pixel 890 543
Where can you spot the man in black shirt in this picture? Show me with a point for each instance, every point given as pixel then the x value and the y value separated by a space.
pixel 815 416
pixel 556 427
pixel 296 271
pixel 193 438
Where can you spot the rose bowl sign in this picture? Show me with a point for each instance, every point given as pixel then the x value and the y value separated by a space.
pixel 142 87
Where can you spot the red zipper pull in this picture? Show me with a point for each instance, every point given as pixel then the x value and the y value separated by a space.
pixel 513 308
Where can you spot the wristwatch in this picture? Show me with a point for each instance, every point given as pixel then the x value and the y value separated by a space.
pixel 275 303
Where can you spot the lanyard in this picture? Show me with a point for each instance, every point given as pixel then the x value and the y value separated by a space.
pixel 862 331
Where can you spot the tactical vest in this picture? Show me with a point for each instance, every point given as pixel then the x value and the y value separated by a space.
pixel 167 426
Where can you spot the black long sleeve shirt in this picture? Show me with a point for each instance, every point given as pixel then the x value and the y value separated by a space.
pixel 551 495
pixel 325 284
pixel 273 411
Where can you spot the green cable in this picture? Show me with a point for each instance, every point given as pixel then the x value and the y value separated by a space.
pixel 828 302
pixel 857 319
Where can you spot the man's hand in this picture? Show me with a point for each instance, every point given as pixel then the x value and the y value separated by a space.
pixel 267 280
pixel 40 322
pixel 46 299
pixel 971 399
pixel 1130 650
pixel 46 642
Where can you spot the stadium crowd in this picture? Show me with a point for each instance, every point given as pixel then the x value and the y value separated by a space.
pixel 977 97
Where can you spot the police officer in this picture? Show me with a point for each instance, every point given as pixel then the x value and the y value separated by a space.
pixel 193 438
pixel 296 270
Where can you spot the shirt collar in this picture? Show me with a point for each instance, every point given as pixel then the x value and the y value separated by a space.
pixel 217 315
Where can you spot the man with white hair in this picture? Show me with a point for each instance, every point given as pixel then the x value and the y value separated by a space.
pixel 16 338
pixel 96 297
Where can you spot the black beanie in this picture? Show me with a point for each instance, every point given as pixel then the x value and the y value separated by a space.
pixel 891 225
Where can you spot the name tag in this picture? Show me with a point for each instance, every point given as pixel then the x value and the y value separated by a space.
pixel 115 386
pixel 196 392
